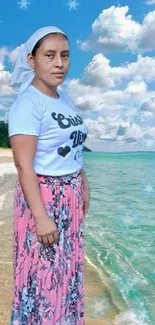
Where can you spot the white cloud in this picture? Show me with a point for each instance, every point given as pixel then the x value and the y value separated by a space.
pixel 13 54
pixel 150 2
pixel 114 30
pixel 99 72
pixel 112 99
pixel 134 87
pixel 104 88
pixel 3 54
pixel 5 90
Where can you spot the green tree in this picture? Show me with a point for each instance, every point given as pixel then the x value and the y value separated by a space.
pixel 4 138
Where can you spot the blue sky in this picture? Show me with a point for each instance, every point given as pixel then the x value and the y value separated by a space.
pixel 112 74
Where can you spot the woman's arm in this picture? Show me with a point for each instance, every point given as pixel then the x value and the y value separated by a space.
pixel 86 193
pixel 86 184
pixel 24 150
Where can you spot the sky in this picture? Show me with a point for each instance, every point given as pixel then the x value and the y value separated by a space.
pixel 112 74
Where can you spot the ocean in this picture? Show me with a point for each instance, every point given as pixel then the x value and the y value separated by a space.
pixel 119 231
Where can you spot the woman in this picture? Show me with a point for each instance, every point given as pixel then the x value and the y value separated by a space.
pixel 52 193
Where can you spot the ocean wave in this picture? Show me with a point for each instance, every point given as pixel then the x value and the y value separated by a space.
pixel 131 317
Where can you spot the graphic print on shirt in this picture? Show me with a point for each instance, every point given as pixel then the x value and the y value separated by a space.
pixel 78 137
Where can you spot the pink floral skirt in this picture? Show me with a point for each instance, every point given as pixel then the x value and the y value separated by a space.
pixel 49 279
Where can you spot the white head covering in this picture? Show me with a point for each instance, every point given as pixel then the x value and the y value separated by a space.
pixel 23 74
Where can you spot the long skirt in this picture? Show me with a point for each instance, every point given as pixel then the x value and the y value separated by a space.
pixel 49 279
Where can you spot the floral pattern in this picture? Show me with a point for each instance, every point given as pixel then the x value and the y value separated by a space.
pixel 49 279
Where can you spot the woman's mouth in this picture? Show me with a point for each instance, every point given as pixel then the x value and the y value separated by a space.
pixel 58 74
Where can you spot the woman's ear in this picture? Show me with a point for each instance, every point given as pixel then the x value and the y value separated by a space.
pixel 30 60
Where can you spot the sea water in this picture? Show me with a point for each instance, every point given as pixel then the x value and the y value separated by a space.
pixel 120 230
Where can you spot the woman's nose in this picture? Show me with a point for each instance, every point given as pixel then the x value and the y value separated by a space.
pixel 58 61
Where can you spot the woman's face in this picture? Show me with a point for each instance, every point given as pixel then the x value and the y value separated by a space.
pixel 51 62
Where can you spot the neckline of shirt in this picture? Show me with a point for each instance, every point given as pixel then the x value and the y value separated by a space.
pixel 49 97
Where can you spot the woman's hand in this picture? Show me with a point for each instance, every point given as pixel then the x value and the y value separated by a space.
pixel 46 231
pixel 86 198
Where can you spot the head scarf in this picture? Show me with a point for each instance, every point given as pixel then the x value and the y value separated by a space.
pixel 23 74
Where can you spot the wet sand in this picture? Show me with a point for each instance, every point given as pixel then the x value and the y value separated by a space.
pixel 93 285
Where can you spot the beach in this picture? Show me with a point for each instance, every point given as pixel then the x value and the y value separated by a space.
pixel 6 156
pixel 93 285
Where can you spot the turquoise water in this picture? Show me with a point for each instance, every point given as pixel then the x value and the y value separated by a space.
pixel 120 230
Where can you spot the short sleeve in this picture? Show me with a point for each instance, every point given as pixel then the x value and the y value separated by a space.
pixel 24 116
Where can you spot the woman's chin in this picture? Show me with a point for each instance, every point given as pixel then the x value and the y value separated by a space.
pixel 58 82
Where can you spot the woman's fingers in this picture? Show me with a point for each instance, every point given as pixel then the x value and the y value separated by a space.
pixel 39 239
pixel 45 239
pixel 49 239
pixel 56 236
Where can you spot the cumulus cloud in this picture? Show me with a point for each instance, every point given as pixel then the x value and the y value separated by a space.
pixel 114 30
pixel 116 102
pixel 10 56
pixel 103 88
pixel 111 135
pixel 3 55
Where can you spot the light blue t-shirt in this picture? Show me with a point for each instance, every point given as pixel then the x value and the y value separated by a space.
pixel 60 130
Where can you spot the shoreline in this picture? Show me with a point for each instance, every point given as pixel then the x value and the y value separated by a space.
pixel 94 286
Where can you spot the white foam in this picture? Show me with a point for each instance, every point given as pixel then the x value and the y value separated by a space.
pixel 130 317
pixel 7 168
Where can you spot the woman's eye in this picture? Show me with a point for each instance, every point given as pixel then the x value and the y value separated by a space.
pixel 49 55
pixel 65 55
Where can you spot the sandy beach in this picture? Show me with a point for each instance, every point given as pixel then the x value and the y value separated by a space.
pixel 6 156
pixel 93 285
